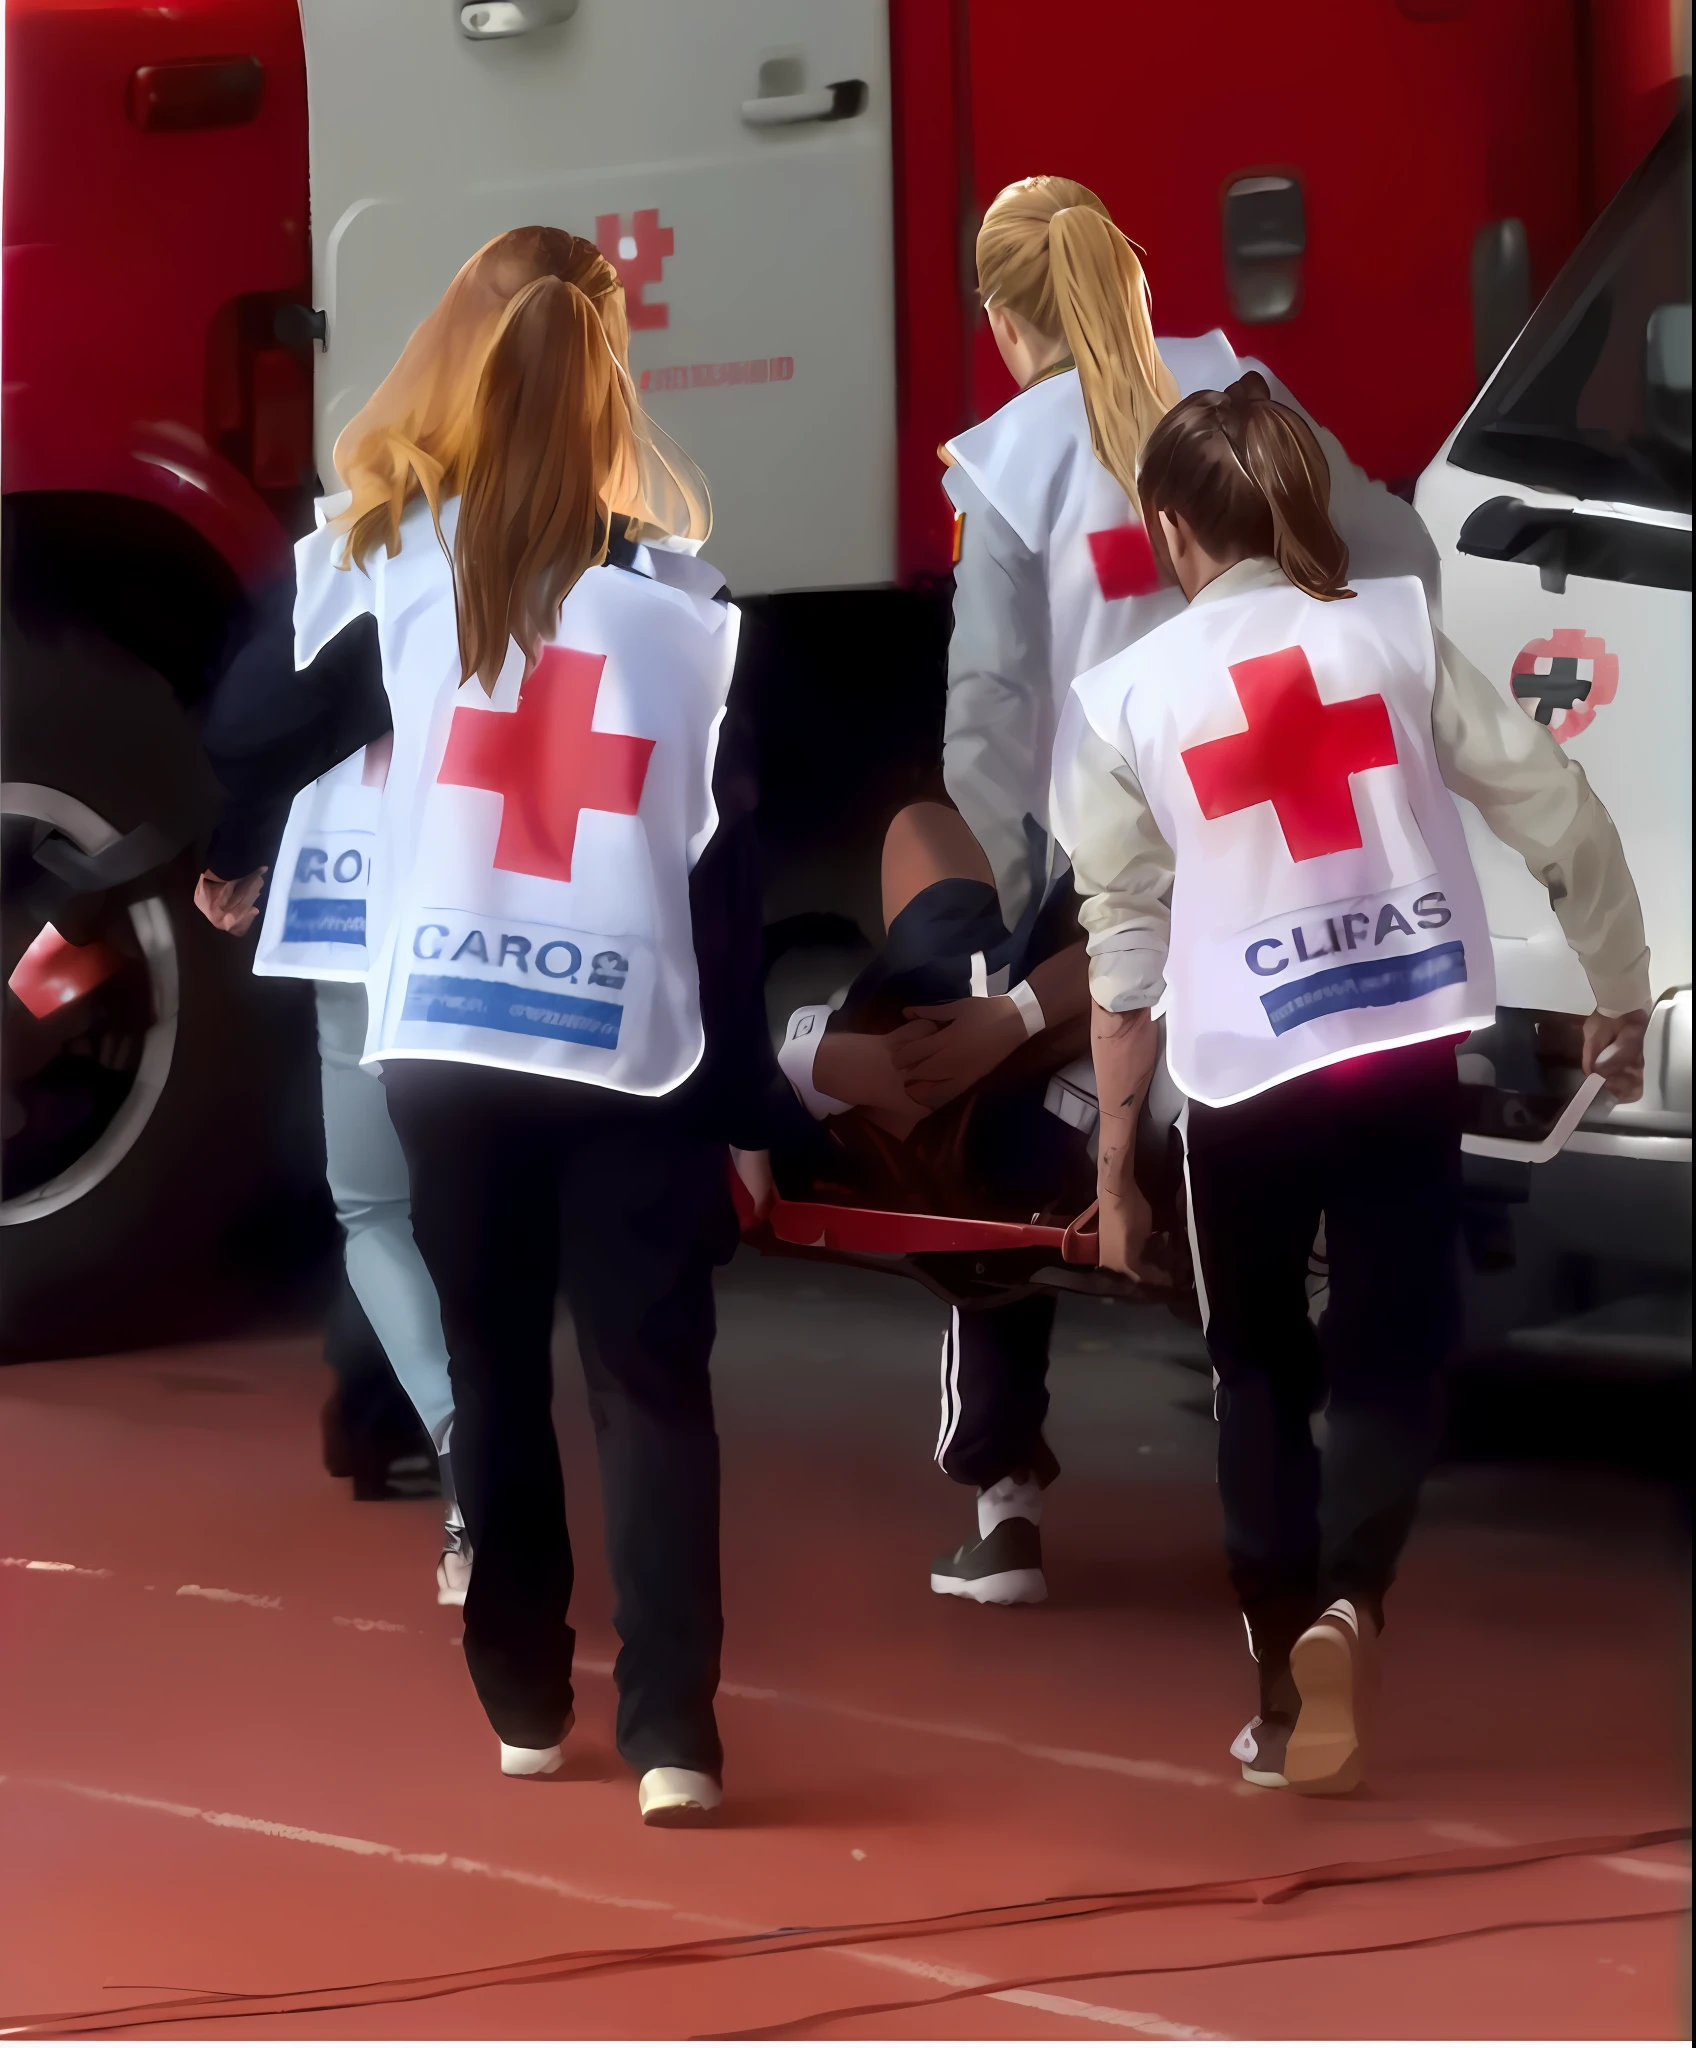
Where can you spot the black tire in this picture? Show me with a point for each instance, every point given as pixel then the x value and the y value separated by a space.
pixel 207 1208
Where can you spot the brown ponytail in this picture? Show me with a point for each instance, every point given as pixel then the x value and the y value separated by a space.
pixel 551 445
pixel 1250 479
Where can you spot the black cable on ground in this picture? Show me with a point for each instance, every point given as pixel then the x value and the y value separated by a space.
pixel 1261 1891
pixel 790 2030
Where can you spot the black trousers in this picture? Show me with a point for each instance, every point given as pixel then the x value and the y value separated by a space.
pixel 1373 1145
pixel 521 1182
pixel 995 1392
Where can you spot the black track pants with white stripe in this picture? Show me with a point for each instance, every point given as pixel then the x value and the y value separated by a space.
pixel 994 1390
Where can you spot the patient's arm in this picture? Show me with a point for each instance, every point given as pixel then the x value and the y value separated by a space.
pixel 978 1032
pixel 860 1069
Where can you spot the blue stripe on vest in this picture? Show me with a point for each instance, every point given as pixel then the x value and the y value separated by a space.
pixel 494 1006
pixel 1365 985
pixel 325 921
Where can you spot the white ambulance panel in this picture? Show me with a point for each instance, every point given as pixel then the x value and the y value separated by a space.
pixel 733 160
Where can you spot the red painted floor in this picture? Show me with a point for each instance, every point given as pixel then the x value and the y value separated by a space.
pixel 245 1789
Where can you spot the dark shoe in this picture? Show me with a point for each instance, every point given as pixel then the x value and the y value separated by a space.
pixel 1002 1569
pixel 1334 1668
pixel 338 1451
pixel 382 1473
pixel 1260 1749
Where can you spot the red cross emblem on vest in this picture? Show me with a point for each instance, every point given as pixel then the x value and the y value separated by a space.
pixel 1297 755
pixel 546 763
pixel 1124 561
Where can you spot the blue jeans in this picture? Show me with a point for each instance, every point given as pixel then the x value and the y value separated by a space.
pixel 368 1183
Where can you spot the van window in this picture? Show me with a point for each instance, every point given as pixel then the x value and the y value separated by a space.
pixel 1571 408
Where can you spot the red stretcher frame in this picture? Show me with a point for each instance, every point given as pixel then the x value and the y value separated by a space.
pixel 964 1259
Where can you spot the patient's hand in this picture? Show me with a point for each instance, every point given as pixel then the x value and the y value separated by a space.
pixel 860 1067
pixel 970 1038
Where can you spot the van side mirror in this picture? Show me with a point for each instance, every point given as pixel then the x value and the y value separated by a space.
pixel 1666 374
pixel 1501 292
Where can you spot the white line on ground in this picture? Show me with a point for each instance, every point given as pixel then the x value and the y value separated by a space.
pixel 45 1564
pixel 1641 1866
pixel 1043 2001
pixel 1152 1769
pixel 1150 2024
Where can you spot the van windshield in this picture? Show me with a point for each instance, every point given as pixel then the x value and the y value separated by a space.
pixel 1573 406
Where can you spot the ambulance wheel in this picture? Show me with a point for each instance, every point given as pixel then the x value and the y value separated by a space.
pixel 138 1146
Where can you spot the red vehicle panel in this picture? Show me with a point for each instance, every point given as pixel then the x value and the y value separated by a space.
pixel 129 248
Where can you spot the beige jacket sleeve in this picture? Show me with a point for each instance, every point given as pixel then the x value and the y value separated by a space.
pixel 1530 793
pixel 1538 800
pixel 1121 865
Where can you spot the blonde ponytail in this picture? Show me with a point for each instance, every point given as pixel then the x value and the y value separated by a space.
pixel 1050 252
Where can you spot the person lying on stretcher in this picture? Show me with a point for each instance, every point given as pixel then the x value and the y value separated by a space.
pixel 930 1079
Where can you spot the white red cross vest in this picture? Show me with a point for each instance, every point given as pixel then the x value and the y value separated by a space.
pixel 1034 463
pixel 531 899
pixel 1324 903
pixel 315 919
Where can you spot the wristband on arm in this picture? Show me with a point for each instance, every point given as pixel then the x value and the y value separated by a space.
pixel 800 1048
pixel 1024 1000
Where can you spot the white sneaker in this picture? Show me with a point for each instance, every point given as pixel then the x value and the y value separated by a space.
pixel 453 1568
pixel 518 1762
pixel 673 1798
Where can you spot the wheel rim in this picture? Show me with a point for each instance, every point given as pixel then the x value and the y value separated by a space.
pixel 122 1036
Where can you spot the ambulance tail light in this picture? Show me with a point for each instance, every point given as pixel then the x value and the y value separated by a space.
pixel 259 393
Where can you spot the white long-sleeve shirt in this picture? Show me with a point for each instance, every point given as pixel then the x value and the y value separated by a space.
pixel 1529 792
pixel 1020 637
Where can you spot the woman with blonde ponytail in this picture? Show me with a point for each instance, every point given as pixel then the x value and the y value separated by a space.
pixel 1054 574
pixel 558 951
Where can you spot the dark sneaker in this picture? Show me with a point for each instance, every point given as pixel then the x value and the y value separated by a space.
pixel 1260 1749
pixel 1002 1569
pixel 1334 1667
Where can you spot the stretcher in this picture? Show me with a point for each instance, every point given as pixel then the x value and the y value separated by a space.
pixel 965 1261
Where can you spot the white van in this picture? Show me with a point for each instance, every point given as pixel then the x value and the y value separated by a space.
pixel 1561 505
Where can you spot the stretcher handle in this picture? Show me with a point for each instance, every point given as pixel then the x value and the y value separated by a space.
pixel 1079 1247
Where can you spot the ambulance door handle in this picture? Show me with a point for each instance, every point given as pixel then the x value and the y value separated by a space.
pixel 839 102
pixel 492 21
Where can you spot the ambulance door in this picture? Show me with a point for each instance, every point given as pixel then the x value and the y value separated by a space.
pixel 733 160
pixel 1562 509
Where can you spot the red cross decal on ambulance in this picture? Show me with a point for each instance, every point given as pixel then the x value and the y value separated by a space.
pixel 1297 755
pixel 547 763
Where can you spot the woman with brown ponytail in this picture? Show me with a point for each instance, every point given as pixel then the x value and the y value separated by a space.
pixel 1054 573
pixel 1257 803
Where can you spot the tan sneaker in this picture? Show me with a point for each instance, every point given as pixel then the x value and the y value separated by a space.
pixel 674 1798
pixel 1334 1667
